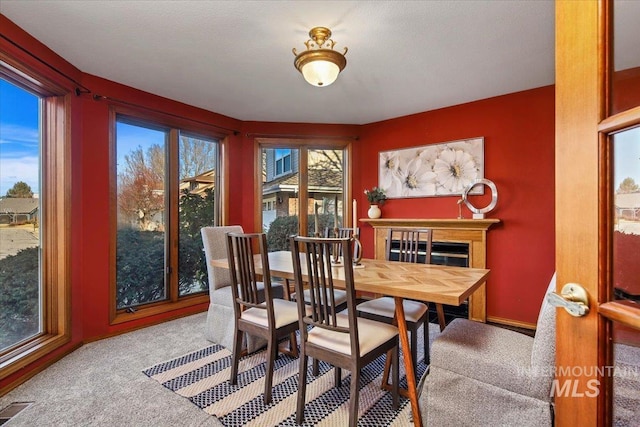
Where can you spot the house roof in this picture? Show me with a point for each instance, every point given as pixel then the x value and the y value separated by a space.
pixel 320 180
pixel 628 201
pixel 18 205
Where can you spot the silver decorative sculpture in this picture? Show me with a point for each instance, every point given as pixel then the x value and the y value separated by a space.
pixel 479 213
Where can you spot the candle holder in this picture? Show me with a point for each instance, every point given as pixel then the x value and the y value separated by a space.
pixel 336 254
pixel 357 250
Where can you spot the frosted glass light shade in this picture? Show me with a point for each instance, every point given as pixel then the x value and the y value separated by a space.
pixel 318 65
pixel 320 73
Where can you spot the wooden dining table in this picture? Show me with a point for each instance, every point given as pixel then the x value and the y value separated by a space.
pixel 400 280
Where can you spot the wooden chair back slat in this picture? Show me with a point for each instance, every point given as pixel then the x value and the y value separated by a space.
pixel 342 233
pixel 241 248
pixel 409 241
pixel 313 256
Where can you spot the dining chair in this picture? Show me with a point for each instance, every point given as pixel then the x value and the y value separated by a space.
pixel 486 375
pixel 271 318
pixel 409 245
pixel 340 339
pixel 218 328
pixel 339 294
pixel 343 232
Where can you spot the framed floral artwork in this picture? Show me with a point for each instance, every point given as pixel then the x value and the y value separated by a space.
pixel 443 169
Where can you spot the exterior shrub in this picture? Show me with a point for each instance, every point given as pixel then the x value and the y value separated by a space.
pixel 285 226
pixel 19 290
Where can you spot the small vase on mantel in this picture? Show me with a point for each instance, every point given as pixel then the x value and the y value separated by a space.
pixel 374 212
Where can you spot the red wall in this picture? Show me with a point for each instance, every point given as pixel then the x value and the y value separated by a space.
pixel 518 131
pixel 519 157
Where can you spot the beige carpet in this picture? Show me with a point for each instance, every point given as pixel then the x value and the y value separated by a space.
pixel 102 384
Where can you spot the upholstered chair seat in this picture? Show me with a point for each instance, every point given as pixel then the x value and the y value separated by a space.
pixel 386 306
pixel 339 295
pixel 487 375
pixel 371 335
pixel 285 312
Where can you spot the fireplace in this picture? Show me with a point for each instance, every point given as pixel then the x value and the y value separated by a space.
pixel 460 242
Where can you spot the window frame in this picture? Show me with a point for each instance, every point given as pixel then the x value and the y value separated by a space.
pixel 303 145
pixel 174 125
pixel 55 203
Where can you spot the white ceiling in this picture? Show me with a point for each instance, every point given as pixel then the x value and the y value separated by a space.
pixel 235 58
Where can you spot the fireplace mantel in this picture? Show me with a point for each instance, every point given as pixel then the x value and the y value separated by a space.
pixel 470 231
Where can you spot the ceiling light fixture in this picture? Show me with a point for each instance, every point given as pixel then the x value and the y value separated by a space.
pixel 320 64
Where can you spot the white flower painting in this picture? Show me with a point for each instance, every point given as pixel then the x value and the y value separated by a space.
pixel 444 169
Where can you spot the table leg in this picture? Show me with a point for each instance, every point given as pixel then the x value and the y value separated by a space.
pixel 408 363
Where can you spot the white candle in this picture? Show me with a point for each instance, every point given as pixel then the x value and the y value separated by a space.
pixel 355 215
pixel 315 217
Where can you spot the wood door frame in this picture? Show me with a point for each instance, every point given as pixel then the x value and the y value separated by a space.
pixel 580 105
pixel 584 203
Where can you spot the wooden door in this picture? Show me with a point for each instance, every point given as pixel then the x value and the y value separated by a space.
pixel 584 210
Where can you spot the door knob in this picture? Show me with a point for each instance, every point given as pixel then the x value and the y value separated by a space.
pixel 573 298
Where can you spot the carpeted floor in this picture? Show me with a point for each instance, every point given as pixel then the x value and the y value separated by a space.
pixel 102 383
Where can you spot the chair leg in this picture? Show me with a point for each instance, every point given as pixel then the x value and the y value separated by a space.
pixel 237 345
pixel 272 353
pixel 427 356
pixel 316 367
pixel 396 377
pixel 337 376
pixel 353 403
pixel 302 387
pixel 414 348
pixel 441 319
pixel 293 345
pixel 385 372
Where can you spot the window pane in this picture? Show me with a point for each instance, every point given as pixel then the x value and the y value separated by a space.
pixel 20 264
pixel 140 244
pixel 626 271
pixel 197 158
pixel 325 189
pixel 280 193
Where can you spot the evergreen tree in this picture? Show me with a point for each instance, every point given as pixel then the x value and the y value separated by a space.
pixel 628 185
pixel 20 190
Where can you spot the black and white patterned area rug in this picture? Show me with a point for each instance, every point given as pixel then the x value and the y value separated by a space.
pixel 203 378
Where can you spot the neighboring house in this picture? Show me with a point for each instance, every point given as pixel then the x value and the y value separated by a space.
pixel 199 183
pixel 628 206
pixel 280 185
pixel 18 210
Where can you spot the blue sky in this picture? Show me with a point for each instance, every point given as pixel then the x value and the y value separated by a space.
pixel 19 138
pixel 626 154
pixel 19 147
pixel 131 137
